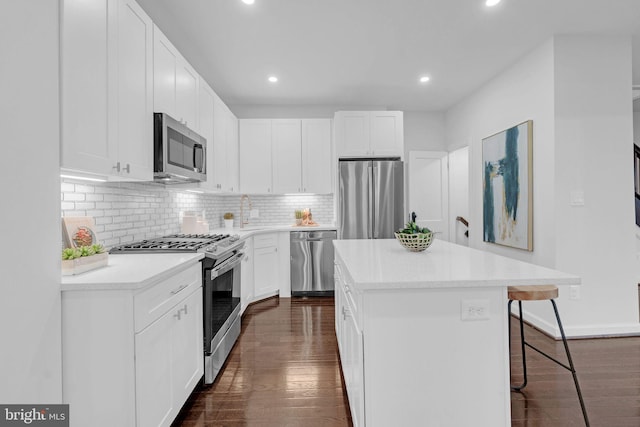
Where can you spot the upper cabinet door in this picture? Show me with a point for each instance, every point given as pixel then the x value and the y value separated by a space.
pixel 165 60
pixel 316 156
pixel 175 85
pixel 286 152
pixel 353 133
pixel 187 81
pixel 255 156
pixel 387 133
pixel 369 134
pixel 107 89
pixel 134 105
pixel 219 154
pixel 85 139
pixel 233 177
pixel 205 121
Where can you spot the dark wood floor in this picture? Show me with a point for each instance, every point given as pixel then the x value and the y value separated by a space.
pixel 284 371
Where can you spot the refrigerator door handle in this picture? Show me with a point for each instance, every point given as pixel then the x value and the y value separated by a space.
pixel 372 202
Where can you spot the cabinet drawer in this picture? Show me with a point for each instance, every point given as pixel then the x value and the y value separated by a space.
pixel 265 240
pixel 152 303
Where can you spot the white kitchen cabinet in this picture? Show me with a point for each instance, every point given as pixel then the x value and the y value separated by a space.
pixel 351 347
pixel 286 145
pixel 107 89
pixel 175 82
pixel 206 101
pixel 169 362
pixel 266 265
pixel 299 160
pixel 225 155
pixel 316 156
pixel 247 288
pixel 232 174
pixel 369 134
pixel 134 106
pixel 255 156
pixel 140 351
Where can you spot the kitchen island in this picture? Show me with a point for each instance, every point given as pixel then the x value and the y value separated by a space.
pixel 423 337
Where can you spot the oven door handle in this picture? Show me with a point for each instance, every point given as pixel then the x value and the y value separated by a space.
pixel 228 265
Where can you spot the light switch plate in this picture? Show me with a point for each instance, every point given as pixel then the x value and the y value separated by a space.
pixel 254 213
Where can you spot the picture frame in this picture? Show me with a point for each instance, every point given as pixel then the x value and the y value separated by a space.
pixel 507 201
pixel 78 231
pixel 636 173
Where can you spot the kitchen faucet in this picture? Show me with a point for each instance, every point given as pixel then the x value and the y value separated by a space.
pixel 242 221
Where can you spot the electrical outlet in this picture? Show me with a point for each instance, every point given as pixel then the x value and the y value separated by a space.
pixel 254 213
pixel 477 309
pixel 574 292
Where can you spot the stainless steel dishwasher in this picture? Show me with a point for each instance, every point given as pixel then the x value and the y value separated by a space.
pixel 312 263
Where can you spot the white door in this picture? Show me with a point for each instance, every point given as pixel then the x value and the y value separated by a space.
pixel 429 190
pixel 459 195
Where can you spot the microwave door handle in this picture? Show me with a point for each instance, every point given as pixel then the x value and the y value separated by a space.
pixel 196 148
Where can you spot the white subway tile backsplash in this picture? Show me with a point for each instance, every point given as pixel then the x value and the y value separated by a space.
pixel 126 212
pixel 73 197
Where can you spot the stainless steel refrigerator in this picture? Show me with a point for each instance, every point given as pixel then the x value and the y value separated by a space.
pixel 371 198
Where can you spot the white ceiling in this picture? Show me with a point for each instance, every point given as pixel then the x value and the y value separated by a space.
pixel 372 52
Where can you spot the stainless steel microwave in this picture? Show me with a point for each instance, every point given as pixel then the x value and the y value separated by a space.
pixel 179 154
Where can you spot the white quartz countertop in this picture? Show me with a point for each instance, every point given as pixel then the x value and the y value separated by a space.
pixel 385 264
pixel 251 230
pixel 131 271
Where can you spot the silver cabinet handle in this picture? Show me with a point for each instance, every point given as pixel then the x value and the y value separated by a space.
pixel 178 289
pixel 345 313
pixel 177 315
pixel 184 309
pixel 117 167
pixel 127 169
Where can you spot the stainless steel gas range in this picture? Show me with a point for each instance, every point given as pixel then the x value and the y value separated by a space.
pixel 221 288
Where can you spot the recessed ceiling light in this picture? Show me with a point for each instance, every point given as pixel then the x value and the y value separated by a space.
pixel 492 2
pixel 248 1
pixel 424 79
pixel 272 79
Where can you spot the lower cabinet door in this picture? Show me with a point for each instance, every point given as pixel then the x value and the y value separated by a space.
pixel 169 362
pixel 266 274
pixel 154 392
pixel 186 347
pixel 353 368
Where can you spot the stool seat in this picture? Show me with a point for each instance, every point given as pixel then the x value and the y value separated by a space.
pixel 532 292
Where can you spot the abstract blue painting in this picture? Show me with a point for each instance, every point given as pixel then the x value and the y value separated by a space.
pixel 507 187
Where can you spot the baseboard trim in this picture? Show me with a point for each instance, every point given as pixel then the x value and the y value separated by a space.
pixel 581 332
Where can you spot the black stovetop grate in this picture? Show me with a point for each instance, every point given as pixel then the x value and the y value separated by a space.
pixel 171 243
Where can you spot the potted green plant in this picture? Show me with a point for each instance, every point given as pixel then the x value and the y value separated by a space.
pixel 83 258
pixel 228 220
pixel 298 214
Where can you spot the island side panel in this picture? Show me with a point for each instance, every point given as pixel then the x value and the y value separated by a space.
pixel 424 365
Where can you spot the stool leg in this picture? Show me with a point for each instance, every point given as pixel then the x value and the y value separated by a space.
pixel 524 356
pixel 573 371
pixel 509 329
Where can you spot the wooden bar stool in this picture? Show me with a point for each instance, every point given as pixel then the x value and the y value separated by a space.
pixel 540 293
